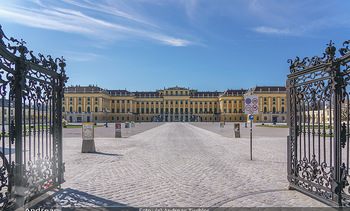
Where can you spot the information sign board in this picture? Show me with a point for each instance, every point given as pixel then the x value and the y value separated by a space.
pixel 118 127
pixel 88 131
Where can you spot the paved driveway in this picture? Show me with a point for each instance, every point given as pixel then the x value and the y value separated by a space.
pixel 177 165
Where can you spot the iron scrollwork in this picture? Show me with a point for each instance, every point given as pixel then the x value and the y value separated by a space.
pixel 344 51
pixel 343 135
pixel 33 84
pixel 318 87
pixel 38 175
pixel 298 65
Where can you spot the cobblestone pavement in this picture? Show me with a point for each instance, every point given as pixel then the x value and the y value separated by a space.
pixel 178 165
pixel 109 132
pixel 228 129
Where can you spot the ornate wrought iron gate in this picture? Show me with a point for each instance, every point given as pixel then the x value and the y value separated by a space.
pixel 31 92
pixel 318 141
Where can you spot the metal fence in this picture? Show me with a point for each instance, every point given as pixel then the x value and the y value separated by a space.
pixel 318 116
pixel 31 92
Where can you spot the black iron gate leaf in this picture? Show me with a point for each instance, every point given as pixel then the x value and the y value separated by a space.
pixel 318 141
pixel 31 92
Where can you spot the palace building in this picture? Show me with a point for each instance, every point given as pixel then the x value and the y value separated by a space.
pixel 94 104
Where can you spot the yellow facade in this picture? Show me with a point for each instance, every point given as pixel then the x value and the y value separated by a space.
pixel 94 104
pixel 272 103
pixel 33 113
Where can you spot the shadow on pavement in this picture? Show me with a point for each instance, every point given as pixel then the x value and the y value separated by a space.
pixel 102 153
pixel 71 199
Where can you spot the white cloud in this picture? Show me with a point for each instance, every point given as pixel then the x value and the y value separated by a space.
pixel 270 30
pixel 42 20
pixel 174 41
pixel 76 21
pixel 113 10
pixel 191 6
pixel 38 2
pixel 81 56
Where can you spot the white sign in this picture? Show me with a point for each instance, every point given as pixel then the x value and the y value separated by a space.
pixel 88 131
pixel 251 104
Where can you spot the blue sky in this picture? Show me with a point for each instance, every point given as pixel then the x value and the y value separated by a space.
pixel 144 45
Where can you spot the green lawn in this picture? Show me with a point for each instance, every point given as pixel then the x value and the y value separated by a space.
pixel 316 127
pixel 69 126
pixel 285 126
pixel 316 134
pixel 36 127
pixel 275 126
pixel 79 126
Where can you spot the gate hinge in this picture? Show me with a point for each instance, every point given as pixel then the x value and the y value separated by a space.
pixel 343 135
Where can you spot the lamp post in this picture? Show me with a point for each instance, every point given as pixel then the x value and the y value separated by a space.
pixel 129 113
pixel 262 118
pixel 106 110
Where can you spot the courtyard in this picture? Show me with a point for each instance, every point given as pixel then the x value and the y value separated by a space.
pixel 177 165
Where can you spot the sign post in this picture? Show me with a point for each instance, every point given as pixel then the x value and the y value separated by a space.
pixel 88 138
pixel 251 106
pixel 251 118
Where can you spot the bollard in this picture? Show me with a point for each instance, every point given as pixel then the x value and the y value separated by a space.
pixel 88 138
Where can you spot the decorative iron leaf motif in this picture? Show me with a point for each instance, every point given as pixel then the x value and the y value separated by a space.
pixel 315 176
pixel 17 47
pixel 328 57
pixel 38 175
pixel 4 181
pixel 345 50
pixel 298 65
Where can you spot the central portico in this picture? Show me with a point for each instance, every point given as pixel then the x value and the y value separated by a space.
pixel 180 105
